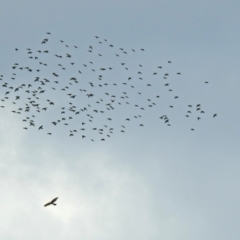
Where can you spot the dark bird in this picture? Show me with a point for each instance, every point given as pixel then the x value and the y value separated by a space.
pixel 51 202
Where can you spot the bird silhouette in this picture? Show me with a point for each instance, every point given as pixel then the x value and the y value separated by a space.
pixel 53 202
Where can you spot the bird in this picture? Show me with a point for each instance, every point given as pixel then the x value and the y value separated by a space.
pixel 53 202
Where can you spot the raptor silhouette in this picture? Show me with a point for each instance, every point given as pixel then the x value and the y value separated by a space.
pixel 51 202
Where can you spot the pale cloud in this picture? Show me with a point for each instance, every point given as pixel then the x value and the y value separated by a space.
pixel 97 199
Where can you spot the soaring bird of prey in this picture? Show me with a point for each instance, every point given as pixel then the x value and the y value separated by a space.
pixel 51 202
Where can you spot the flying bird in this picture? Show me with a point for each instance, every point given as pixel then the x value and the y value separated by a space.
pixel 51 202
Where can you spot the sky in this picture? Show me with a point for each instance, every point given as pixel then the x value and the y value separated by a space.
pixel 152 182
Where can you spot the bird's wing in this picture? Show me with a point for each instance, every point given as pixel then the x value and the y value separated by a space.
pixel 47 204
pixel 54 200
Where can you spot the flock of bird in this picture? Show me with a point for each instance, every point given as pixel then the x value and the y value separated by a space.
pixel 52 87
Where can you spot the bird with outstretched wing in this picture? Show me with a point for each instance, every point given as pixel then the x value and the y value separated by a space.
pixel 51 202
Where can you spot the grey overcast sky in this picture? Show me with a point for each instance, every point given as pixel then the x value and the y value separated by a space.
pixel 152 182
